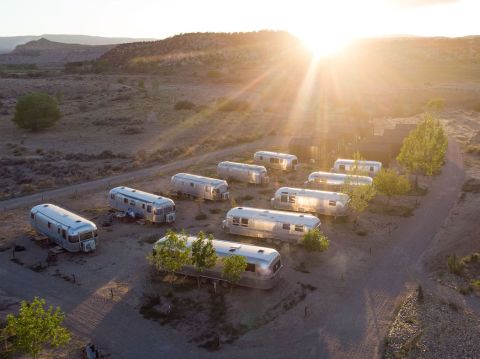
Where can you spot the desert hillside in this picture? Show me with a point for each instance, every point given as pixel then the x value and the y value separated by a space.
pixel 43 52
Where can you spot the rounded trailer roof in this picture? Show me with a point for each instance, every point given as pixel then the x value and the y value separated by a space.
pixel 360 162
pixel 141 195
pixel 340 177
pixel 275 154
pixel 202 179
pixel 254 254
pixel 61 215
pixel 242 165
pixel 273 215
pixel 337 196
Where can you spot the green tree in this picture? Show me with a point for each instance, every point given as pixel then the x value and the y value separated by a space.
pixel 171 254
pixel 34 326
pixel 389 183
pixel 423 150
pixel 435 105
pixel 315 241
pixel 360 196
pixel 234 266
pixel 36 111
pixel 203 253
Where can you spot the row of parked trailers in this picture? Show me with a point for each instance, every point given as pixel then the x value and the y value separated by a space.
pixel 75 233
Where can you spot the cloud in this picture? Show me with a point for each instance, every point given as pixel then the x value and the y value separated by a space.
pixel 419 3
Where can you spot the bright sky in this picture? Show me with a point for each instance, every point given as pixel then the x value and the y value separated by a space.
pixel 322 19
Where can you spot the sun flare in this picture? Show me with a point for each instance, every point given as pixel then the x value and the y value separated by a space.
pixel 324 46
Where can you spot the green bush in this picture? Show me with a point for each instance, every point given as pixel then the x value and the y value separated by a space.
pixel 233 106
pixel 184 105
pixel 36 111
pixel 455 265
pixel 315 241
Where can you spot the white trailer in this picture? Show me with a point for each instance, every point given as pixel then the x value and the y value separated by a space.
pixel 136 203
pixel 243 172
pixel 276 160
pixel 369 168
pixel 335 181
pixel 263 223
pixel 67 229
pixel 309 200
pixel 263 264
pixel 199 186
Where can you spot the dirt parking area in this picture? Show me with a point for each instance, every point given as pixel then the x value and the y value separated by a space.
pixel 118 269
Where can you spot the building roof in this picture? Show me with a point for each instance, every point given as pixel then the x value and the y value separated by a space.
pixel 142 196
pixel 200 179
pixel 275 216
pixel 64 217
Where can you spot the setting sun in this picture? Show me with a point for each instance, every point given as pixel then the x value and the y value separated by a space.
pixel 324 46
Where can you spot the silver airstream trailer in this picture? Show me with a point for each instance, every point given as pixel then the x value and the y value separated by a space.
pixel 276 160
pixel 242 172
pixel 153 208
pixel 309 200
pixel 67 229
pixel 335 181
pixel 369 168
pixel 263 264
pixel 263 223
pixel 199 186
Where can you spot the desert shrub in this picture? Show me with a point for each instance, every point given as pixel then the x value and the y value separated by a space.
pixel 83 107
pixel 141 84
pixel 36 111
pixel 201 217
pixel 184 105
pixel 473 149
pixel 315 241
pixel 131 130
pixel 230 105
pixel 214 74
pixel 471 185
pixel 246 198
pixel 455 265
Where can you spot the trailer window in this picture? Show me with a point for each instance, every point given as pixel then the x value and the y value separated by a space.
pixel 272 160
pixel 284 198
pixel 298 228
pixel 132 203
pixel 332 203
pixel 291 199
pixel 49 225
pixel 244 222
pixel 64 234
pixel 236 221
pixel 95 233
pixel 191 184
pixel 158 211
pixel 58 230
pixel 143 205
pixel 32 215
pixel 341 167
pixel 286 226
pixel 276 266
pixel 371 169
pixel 294 162
pixel 73 239
pixel 149 209
pixel 85 236
pixel 250 267
pixel 112 196
pixel 261 158
pixel 125 200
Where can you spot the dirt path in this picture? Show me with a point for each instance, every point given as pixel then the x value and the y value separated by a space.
pixel 143 173
pixel 349 325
